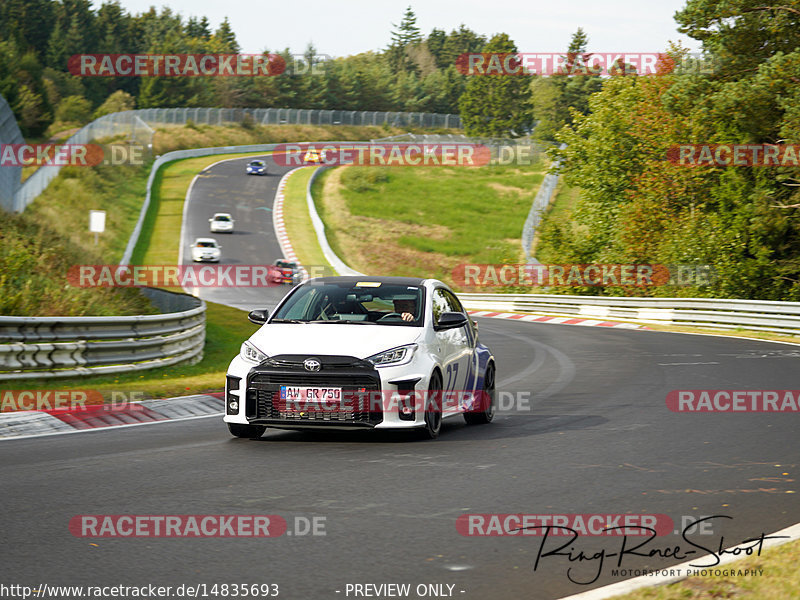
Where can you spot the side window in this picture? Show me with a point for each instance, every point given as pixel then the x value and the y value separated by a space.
pixel 456 305
pixel 453 303
pixel 439 303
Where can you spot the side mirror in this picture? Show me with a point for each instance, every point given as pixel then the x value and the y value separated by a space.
pixel 451 320
pixel 259 317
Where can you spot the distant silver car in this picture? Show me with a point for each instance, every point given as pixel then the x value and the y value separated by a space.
pixel 256 167
pixel 221 223
pixel 206 250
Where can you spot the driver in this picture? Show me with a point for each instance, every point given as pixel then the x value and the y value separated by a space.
pixel 406 308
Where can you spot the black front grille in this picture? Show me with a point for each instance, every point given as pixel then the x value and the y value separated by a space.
pixel 264 403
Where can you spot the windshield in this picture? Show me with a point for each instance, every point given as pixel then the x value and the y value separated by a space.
pixel 206 245
pixel 256 163
pixel 363 302
pixel 222 218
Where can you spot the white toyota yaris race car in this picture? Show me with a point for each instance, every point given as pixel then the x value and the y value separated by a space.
pixel 361 352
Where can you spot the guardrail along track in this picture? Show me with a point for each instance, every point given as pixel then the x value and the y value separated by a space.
pixel 47 347
pixel 759 315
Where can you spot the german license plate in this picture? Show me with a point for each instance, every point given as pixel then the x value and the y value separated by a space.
pixel 310 394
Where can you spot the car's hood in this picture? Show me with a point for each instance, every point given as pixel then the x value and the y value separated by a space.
pixel 360 341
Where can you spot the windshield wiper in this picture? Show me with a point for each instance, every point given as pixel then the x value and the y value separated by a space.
pixel 289 321
pixel 343 321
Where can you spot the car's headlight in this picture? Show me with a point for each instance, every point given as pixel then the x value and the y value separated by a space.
pixel 252 354
pixel 396 356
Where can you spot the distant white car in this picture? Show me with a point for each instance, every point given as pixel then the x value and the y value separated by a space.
pixel 206 250
pixel 221 223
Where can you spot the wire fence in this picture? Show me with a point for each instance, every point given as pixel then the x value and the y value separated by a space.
pixel 295 116
pixel 543 198
pixel 9 134
pixel 125 124
pixel 137 127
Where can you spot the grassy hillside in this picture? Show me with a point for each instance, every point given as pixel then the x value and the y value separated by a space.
pixel 423 221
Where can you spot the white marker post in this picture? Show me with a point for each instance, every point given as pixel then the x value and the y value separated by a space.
pixel 97 223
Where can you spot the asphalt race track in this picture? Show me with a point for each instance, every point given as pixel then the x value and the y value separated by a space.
pixel 595 437
pixel 225 187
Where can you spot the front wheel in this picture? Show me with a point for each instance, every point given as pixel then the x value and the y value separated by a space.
pixel 433 408
pixel 484 412
pixel 246 431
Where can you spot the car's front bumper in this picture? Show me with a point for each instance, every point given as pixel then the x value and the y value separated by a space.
pixel 374 396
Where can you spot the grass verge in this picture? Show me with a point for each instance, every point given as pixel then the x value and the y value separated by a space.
pixel 417 221
pixel 559 210
pixel 298 221
pixel 40 246
pixel 780 580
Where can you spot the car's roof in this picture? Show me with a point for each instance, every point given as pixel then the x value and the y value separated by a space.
pixel 221 215
pixel 260 162
pixel 372 278
pixel 204 239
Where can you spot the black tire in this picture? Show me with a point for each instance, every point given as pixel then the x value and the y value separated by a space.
pixel 433 408
pixel 246 431
pixel 485 413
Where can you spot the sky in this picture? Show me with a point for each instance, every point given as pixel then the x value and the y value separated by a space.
pixel 346 27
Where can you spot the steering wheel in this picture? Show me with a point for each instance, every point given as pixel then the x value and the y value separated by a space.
pixel 391 317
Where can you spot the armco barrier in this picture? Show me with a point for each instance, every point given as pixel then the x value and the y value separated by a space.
pixel 758 315
pixel 319 228
pixel 48 347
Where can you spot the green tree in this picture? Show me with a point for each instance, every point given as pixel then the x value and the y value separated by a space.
pixel 226 38
pixel 435 42
pixel 29 23
pixel 74 109
pixel 198 28
pixel 556 97
pixel 405 35
pixel 496 105
pixel 31 112
pixel 741 33
pixel 119 101
pixel 459 41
